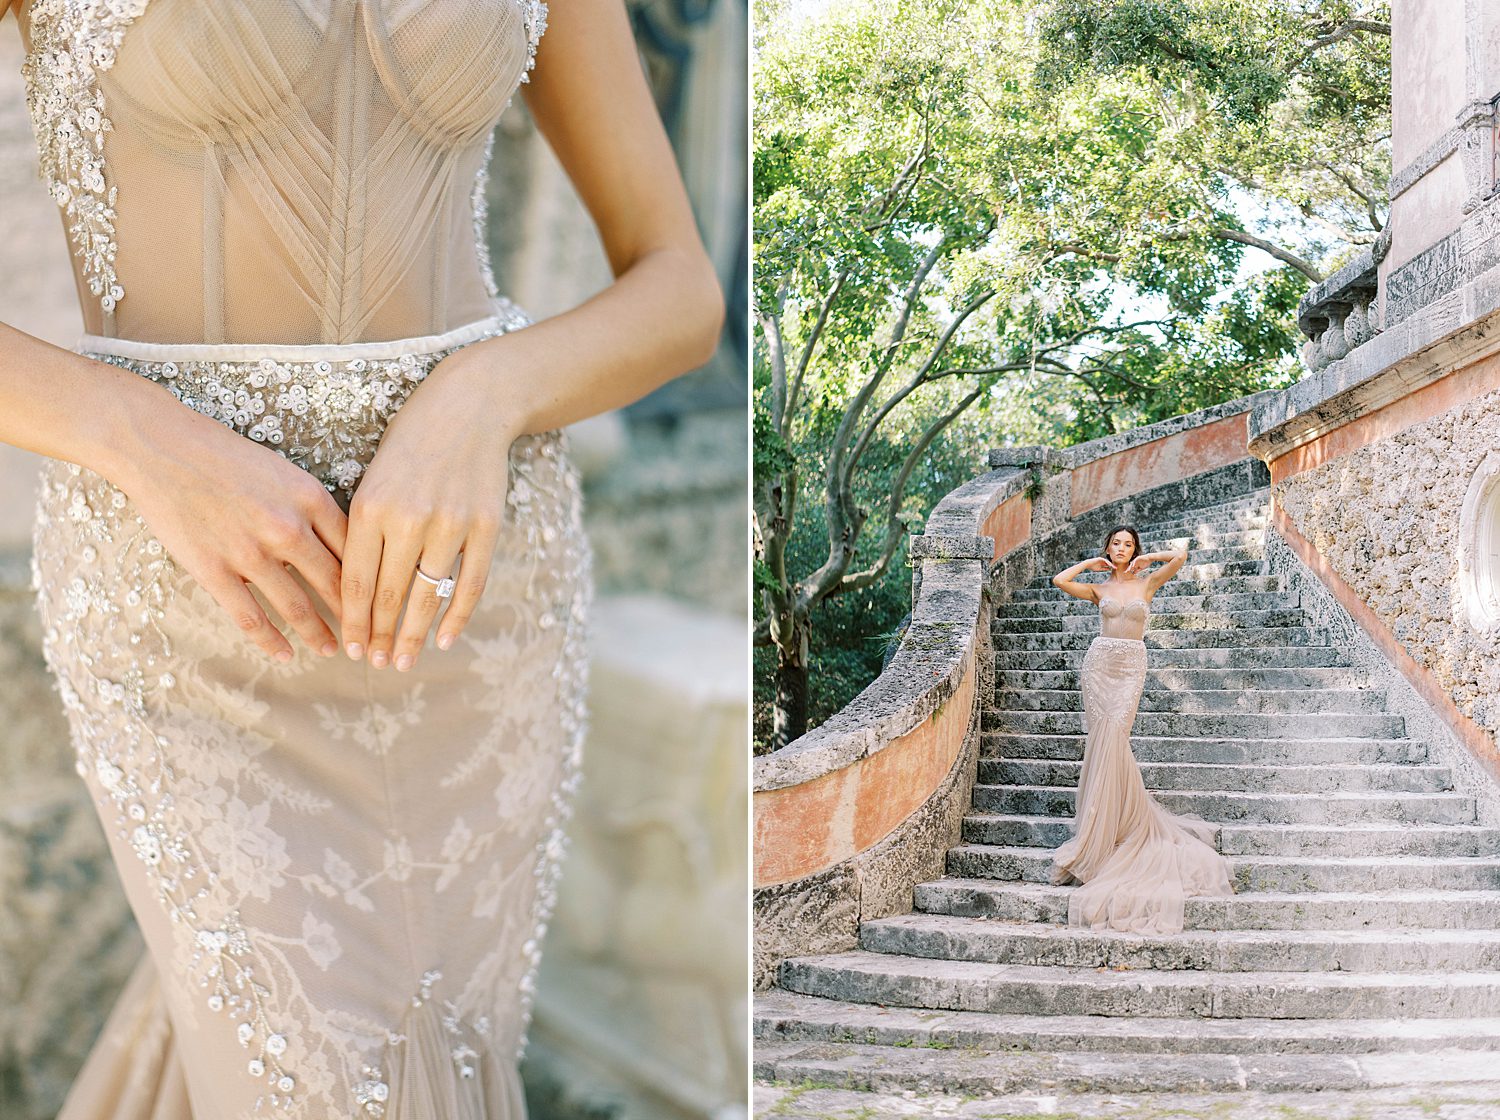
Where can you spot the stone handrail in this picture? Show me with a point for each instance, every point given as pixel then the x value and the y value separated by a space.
pixel 1342 312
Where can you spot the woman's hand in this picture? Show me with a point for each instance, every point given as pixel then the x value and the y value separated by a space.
pixel 232 512
pixel 1140 563
pixel 435 487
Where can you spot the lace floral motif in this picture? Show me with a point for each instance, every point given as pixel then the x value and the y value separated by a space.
pixel 110 655
pixel 179 748
pixel 72 41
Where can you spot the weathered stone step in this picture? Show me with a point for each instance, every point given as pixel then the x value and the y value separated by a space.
pixel 1246 637
pixel 1192 620
pixel 1038 902
pixel 1256 874
pixel 792 1016
pixel 1348 841
pixel 1040 590
pixel 1195 680
pixel 1219 751
pixel 1204 700
pixel 947 937
pixel 1257 500
pixel 1008 989
pixel 983 1074
pixel 1164 603
pixel 1187 657
pixel 1258 808
pixel 1231 776
pixel 1243 521
pixel 1256 725
pixel 1201 557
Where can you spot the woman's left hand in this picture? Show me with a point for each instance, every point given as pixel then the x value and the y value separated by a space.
pixel 435 487
pixel 1139 564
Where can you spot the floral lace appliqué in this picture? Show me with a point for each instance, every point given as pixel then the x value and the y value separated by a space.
pixel 72 41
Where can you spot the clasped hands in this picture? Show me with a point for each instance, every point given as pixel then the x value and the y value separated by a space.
pixel 435 488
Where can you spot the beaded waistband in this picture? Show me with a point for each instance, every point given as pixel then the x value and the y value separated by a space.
pixel 506 316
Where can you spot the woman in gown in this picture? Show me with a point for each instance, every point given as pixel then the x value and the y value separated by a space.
pixel 1136 861
pixel 342 860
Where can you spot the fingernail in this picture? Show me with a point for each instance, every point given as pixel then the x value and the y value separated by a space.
pixel 445 641
pixel 283 655
pixel 403 662
pixel 330 647
pixel 356 650
pixel 377 659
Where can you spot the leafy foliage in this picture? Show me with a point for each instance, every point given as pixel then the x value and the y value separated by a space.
pixel 984 222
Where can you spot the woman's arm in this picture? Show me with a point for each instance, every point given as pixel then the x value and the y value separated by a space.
pixel 663 314
pixel 438 479
pixel 1171 564
pixel 183 470
pixel 1068 583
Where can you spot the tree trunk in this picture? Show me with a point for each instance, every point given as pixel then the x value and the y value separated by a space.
pixel 789 717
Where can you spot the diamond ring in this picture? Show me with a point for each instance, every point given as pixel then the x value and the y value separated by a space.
pixel 444 587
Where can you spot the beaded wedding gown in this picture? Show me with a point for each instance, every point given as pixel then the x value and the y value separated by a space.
pixel 1137 861
pixel 342 875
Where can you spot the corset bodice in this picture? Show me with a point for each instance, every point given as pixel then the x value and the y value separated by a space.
pixel 1122 619
pixel 280 171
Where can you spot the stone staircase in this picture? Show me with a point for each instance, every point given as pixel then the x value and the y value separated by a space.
pixel 1361 950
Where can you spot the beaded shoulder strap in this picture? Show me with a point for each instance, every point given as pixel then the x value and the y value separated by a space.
pixel 534 12
pixel 72 42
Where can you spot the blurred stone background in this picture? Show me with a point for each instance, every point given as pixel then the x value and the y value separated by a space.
pixel 641 1009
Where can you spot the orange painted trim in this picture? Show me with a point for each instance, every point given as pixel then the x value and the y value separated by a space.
pixel 1443 395
pixel 803 829
pixel 1476 740
pixel 1009 524
pixel 1177 456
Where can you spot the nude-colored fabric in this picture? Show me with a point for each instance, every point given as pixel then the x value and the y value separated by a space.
pixel 286 170
pixel 1137 861
pixel 343 875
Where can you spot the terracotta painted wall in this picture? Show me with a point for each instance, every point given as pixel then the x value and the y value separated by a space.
pixel 1161 461
pixel 1441 396
pixel 803 829
pixel 1009 524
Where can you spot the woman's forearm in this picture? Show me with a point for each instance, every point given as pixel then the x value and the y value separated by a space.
pixel 659 319
pixel 66 406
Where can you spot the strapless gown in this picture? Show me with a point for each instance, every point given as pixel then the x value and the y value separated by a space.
pixel 342 875
pixel 1136 861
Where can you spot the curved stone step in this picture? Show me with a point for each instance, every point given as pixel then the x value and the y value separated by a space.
pixel 904 981
pixel 982 1074
pixel 1270 656
pixel 1276 701
pixel 948 937
pixel 1308 678
pixel 1081 623
pixel 1037 902
pixel 1253 725
pixel 1042 590
pixel 1255 808
pixel 1263 874
pixel 1348 841
pixel 1167 601
pixel 1235 776
pixel 1201 557
pixel 1217 750
pixel 791 1016
pixel 1244 637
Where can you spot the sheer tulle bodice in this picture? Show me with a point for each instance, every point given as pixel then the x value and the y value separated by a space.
pixel 275 171
pixel 1121 619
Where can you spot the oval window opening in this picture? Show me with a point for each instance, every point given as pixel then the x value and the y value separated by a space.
pixel 1479 544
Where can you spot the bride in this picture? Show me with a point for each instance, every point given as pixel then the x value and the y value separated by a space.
pixel 302 407
pixel 1136 861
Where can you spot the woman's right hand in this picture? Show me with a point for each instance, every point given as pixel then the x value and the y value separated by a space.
pixel 233 512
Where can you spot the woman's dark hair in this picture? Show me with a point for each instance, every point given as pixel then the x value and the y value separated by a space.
pixel 1109 536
